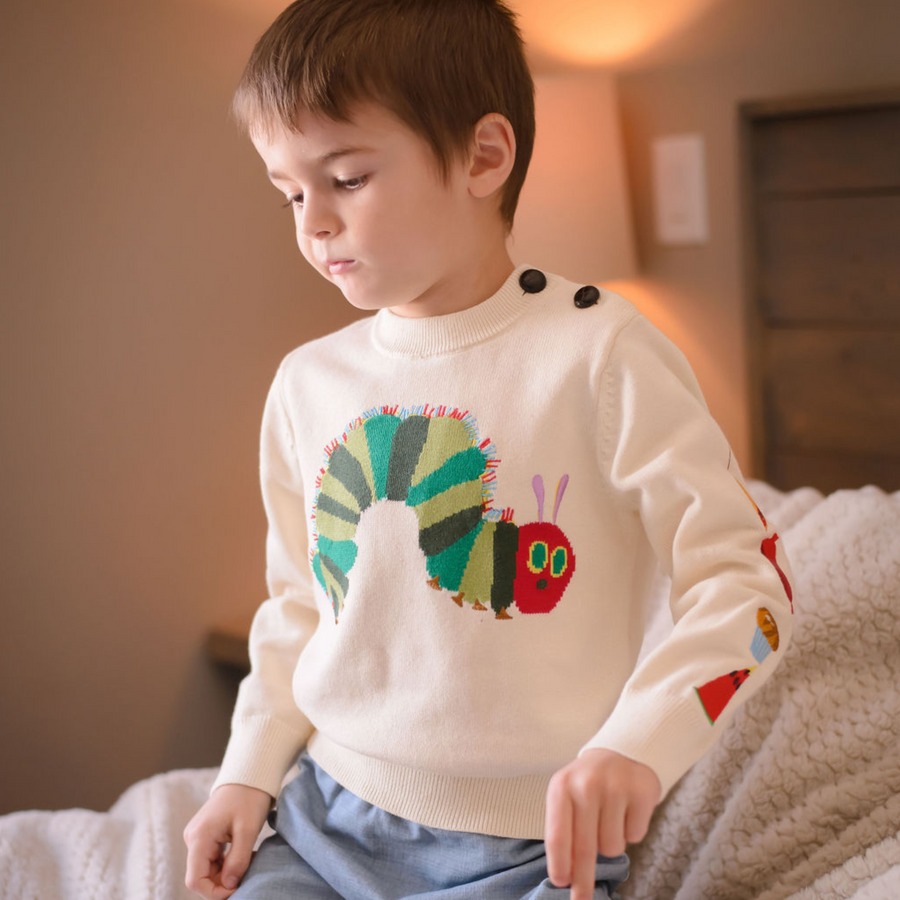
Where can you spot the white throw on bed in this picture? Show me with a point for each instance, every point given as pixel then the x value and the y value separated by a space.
pixel 800 799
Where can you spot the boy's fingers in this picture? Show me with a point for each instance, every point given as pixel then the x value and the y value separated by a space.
pixel 612 827
pixel 637 821
pixel 203 862
pixel 558 835
pixel 238 857
pixel 584 848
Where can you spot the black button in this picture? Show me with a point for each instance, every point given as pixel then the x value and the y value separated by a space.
pixel 586 296
pixel 532 281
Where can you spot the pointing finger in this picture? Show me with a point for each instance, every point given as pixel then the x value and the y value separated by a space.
pixel 558 833
pixel 584 846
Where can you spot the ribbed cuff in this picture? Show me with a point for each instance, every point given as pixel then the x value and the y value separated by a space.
pixel 663 732
pixel 261 749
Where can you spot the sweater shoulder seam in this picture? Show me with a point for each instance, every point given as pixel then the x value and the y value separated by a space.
pixel 601 434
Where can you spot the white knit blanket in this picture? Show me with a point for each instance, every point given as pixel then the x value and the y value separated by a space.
pixel 800 799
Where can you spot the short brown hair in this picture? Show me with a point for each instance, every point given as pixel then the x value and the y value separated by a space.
pixel 438 65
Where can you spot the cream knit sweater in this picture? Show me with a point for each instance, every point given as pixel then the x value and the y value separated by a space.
pixel 465 516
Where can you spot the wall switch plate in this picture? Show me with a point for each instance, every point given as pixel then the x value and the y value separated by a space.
pixel 679 189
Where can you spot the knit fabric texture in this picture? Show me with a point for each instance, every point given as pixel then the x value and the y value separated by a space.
pixel 466 513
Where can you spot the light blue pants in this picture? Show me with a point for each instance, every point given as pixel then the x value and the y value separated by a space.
pixel 330 844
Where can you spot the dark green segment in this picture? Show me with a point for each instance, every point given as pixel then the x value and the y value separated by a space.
pixel 317 568
pixel 344 466
pixel 450 564
pixel 409 438
pixel 335 572
pixel 438 537
pixel 380 436
pixel 459 468
pixel 506 545
pixel 321 562
pixel 337 509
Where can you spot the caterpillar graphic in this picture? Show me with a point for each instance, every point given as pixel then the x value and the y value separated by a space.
pixel 431 459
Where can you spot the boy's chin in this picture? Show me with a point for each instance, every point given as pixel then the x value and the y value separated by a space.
pixel 365 303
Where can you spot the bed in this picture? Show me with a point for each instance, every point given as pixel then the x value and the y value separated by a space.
pixel 800 799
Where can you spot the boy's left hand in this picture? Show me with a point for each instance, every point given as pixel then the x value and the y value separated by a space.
pixel 595 805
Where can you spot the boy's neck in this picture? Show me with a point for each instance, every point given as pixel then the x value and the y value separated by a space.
pixel 468 286
pixel 437 334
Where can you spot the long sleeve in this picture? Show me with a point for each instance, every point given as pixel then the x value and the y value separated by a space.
pixel 667 461
pixel 268 730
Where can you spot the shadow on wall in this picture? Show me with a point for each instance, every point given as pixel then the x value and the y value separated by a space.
pixel 201 732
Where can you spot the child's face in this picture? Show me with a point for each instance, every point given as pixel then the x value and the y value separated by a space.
pixel 378 221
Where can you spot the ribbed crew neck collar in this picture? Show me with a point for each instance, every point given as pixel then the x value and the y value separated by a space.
pixel 433 335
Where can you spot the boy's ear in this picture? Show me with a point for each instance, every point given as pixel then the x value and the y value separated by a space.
pixel 492 154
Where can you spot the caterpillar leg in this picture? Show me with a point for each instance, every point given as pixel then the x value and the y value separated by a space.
pixel 458 598
pixel 435 583
pixel 503 614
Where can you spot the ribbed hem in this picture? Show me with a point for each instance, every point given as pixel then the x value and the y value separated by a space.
pixel 505 807
pixel 434 335
pixel 261 749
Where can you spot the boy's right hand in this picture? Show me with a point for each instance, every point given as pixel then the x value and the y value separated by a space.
pixel 234 814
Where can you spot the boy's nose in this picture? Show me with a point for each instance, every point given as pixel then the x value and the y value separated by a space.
pixel 317 221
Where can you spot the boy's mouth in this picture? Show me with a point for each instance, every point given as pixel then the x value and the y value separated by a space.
pixel 339 266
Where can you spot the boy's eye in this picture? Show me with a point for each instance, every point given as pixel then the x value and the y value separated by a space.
pixel 350 184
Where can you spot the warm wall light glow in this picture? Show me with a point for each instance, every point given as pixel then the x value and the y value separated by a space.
pixel 601 32
pixel 645 294
pixel 260 12
pixel 677 314
pixel 565 32
pixel 574 214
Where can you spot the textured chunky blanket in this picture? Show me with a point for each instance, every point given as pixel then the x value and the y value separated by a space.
pixel 800 799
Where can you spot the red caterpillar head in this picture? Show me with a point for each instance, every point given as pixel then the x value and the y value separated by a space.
pixel 544 561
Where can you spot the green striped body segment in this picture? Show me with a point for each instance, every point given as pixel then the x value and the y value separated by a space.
pixel 434 464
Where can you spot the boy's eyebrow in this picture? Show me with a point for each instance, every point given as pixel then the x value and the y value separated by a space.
pixel 326 158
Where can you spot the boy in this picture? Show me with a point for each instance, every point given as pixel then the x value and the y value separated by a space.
pixel 456 677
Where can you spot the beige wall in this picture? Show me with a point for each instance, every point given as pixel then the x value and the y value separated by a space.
pixel 151 286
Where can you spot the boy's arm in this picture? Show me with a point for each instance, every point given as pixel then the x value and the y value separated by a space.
pixel 668 462
pixel 267 728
